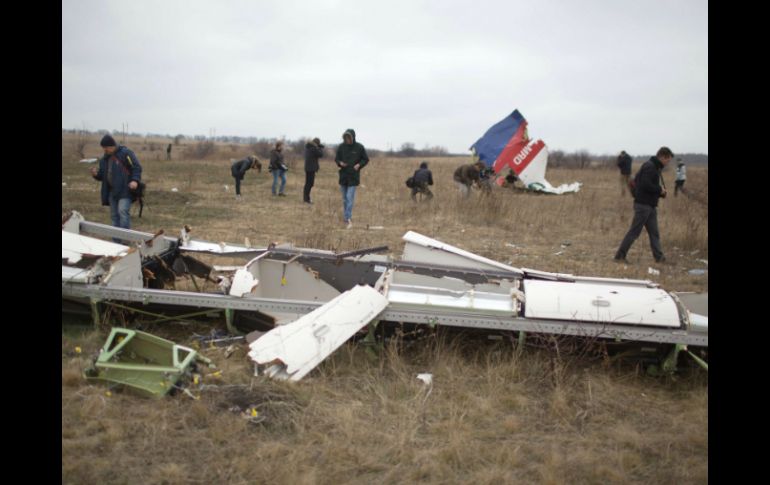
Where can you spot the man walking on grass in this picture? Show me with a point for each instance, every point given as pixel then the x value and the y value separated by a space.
pixel 120 173
pixel 351 158
pixel 648 190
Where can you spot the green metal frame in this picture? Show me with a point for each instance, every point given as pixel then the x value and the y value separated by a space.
pixel 669 363
pixel 148 365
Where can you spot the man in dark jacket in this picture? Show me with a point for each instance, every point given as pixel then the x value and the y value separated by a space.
pixel 120 173
pixel 278 168
pixel 647 192
pixel 422 178
pixel 238 170
pixel 624 164
pixel 313 151
pixel 467 175
pixel 351 158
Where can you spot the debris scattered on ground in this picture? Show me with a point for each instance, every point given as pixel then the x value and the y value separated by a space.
pixel 698 272
pixel 143 363
pixel 653 271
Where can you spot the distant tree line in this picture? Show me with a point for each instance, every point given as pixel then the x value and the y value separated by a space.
pixel 585 159
pixel 205 146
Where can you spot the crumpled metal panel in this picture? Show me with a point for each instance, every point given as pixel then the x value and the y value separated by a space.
pixel 419 290
pixel 298 347
pixel 424 249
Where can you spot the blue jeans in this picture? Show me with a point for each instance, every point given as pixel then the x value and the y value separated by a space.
pixel 348 197
pixel 120 212
pixel 282 175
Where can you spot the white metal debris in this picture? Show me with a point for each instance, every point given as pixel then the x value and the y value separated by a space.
pixel 420 290
pixel 426 378
pixel 424 249
pixel 111 264
pixel 243 282
pixel 72 222
pixel 593 302
pixel 298 347
pixel 74 246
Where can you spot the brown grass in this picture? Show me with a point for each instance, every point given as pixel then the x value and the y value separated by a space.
pixel 492 416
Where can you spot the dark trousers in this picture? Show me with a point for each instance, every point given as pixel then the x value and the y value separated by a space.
pixel 624 177
pixel 309 181
pixel 237 186
pixel 421 188
pixel 679 186
pixel 646 217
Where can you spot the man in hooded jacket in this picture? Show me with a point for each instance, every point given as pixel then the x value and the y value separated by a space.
pixel 120 173
pixel 351 158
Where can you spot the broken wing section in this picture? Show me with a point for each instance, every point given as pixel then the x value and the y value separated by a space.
pixel 298 347
pixel 601 303
pixel 427 250
pixel 88 260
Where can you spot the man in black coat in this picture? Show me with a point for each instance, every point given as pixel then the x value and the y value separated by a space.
pixel 624 164
pixel 648 191
pixel 238 170
pixel 422 178
pixel 313 151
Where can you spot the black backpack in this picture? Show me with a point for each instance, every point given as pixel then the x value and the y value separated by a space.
pixel 138 195
pixel 410 182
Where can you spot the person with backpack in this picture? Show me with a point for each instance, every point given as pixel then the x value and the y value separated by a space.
pixel 420 180
pixel 238 170
pixel 624 164
pixel 647 190
pixel 121 175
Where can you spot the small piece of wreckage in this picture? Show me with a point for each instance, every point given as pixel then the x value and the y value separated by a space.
pixel 146 364
pixel 299 304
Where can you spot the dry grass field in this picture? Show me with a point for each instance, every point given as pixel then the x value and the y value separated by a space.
pixel 492 415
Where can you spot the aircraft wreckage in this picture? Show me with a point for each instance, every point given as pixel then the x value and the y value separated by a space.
pixel 507 145
pixel 300 304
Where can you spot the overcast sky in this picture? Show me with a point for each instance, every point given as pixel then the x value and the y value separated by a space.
pixel 586 74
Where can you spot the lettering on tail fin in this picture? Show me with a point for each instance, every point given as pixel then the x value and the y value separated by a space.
pixel 525 156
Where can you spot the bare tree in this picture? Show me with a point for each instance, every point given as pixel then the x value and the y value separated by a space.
pixel 81 141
